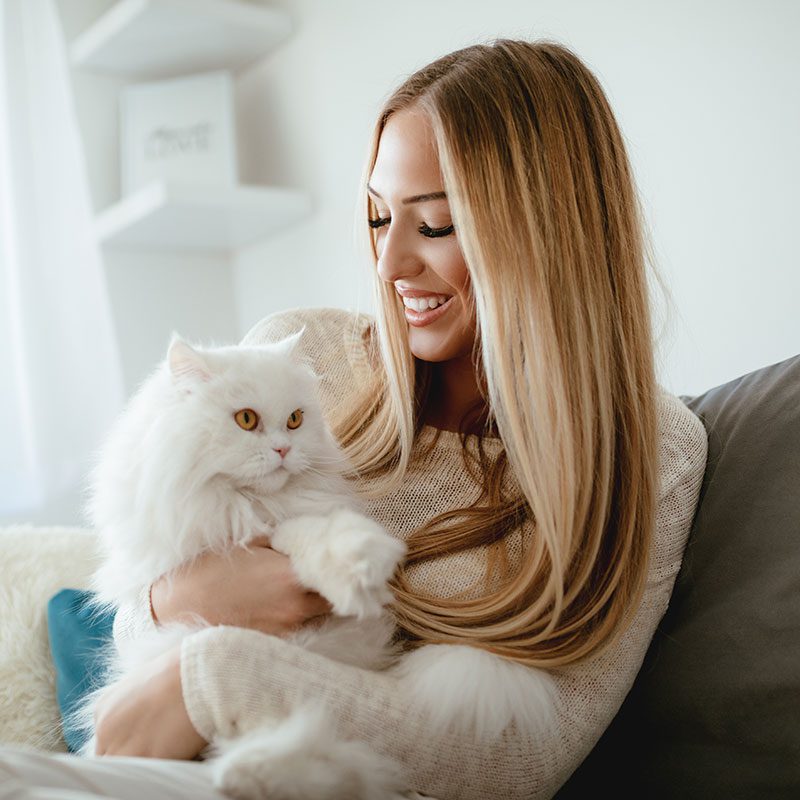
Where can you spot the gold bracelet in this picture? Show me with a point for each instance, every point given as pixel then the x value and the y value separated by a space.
pixel 150 601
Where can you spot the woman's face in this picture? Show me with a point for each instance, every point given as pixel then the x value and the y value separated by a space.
pixel 418 252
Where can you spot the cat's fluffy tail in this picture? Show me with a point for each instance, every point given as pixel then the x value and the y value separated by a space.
pixel 477 693
pixel 302 758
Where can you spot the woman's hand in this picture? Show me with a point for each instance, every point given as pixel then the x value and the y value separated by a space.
pixel 144 714
pixel 254 588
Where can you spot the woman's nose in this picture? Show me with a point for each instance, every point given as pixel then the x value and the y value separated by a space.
pixel 396 259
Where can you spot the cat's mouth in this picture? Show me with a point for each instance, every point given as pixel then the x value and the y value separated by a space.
pixel 260 465
pixel 267 478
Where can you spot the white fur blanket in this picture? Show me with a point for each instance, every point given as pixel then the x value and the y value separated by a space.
pixel 36 563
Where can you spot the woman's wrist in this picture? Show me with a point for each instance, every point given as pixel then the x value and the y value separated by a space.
pixel 168 598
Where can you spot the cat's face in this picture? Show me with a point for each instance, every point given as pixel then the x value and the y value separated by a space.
pixel 251 412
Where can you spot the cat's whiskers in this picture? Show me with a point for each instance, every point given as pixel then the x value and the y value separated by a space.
pixel 314 470
pixel 340 461
pixel 327 474
pixel 258 466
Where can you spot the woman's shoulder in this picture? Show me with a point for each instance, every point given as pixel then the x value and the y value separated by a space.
pixel 319 324
pixel 683 437
pixel 333 343
pixel 682 453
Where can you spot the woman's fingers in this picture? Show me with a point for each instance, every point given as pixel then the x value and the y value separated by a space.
pixel 315 605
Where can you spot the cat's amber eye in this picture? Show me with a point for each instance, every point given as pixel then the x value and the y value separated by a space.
pixel 295 419
pixel 246 418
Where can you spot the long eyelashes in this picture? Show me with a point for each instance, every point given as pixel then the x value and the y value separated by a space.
pixel 433 233
pixel 425 230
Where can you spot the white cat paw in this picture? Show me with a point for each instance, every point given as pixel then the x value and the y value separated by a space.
pixel 302 758
pixel 241 781
pixel 361 557
pixel 345 556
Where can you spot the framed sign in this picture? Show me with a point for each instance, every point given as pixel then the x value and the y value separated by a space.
pixel 179 130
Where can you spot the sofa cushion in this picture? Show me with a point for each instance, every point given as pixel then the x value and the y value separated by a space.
pixel 715 709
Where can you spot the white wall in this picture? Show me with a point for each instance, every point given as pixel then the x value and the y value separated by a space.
pixel 706 95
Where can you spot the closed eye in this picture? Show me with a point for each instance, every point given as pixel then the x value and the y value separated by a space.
pixel 434 233
pixel 425 230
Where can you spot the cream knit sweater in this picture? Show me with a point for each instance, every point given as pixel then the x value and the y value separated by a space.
pixel 230 675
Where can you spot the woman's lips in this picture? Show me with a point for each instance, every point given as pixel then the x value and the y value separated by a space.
pixel 421 318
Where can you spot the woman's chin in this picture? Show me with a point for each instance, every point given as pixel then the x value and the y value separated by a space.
pixel 436 347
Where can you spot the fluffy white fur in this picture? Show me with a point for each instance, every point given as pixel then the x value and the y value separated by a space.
pixel 267 763
pixel 178 476
pixel 475 692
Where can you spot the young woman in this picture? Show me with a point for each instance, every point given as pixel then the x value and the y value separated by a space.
pixel 503 413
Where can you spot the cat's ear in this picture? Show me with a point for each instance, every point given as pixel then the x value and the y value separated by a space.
pixel 185 363
pixel 288 346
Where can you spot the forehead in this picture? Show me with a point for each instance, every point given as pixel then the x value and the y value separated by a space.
pixel 407 161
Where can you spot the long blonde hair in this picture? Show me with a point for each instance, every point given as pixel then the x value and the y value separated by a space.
pixel 549 222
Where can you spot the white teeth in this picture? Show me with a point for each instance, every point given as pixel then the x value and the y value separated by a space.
pixel 424 303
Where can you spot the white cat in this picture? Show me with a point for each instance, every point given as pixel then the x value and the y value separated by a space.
pixel 219 446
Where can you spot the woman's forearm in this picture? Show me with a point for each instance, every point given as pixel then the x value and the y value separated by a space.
pixel 247 588
pixel 234 680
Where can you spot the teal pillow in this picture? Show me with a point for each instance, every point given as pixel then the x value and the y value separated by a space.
pixel 79 634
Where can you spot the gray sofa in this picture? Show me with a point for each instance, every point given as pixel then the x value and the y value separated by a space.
pixel 715 709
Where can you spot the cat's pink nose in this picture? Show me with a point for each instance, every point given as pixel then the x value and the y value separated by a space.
pixel 282 450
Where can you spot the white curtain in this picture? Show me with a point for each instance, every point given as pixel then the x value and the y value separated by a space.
pixel 59 364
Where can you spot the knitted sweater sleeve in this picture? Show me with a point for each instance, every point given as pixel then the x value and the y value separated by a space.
pixel 233 678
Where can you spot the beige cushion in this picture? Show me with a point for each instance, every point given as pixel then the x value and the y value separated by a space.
pixel 36 563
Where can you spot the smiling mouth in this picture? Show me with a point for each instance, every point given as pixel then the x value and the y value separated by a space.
pixel 421 318
pixel 421 304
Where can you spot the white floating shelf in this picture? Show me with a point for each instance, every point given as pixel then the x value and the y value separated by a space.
pixel 199 218
pixel 163 38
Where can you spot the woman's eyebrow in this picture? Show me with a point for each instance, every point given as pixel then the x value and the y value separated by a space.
pixel 417 198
